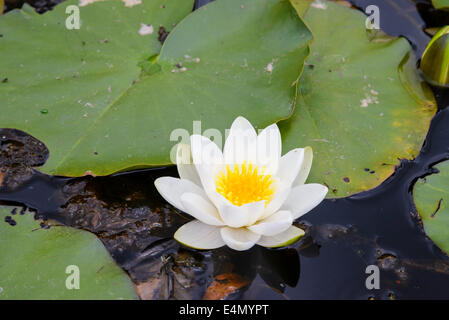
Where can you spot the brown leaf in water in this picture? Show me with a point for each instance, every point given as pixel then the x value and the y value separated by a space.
pixel 224 285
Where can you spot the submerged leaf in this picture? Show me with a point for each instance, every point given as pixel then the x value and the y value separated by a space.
pixel 224 285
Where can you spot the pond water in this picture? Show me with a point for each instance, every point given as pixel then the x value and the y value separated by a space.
pixel 379 227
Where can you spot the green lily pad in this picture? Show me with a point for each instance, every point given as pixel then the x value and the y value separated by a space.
pixel 360 104
pixel 34 261
pixel 102 101
pixel 61 83
pixel 441 4
pixel 301 6
pixel 431 196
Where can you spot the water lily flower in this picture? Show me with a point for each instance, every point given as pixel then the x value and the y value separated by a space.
pixel 248 194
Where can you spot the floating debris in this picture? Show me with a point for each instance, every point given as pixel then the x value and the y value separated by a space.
pixel 131 3
pixel 83 3
pixel 370 98
pixel 146 29
pixel 269 67
pixel 319 4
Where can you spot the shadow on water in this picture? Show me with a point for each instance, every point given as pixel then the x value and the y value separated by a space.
pixel 343 236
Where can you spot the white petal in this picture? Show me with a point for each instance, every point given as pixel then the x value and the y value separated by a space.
pixel 304 198
pixel 276 223
pixel 269 148
pixel 234 216
pixel 285 238
pixel 205 152
pixel 201 209
pixel 280 196
pixel 241 143
pixel 305 167
pixel 184 162
pixel 240 216
pixel 171 190
pixel 198 235
pixel 208 161
pixel 290 165
pixel 255 211
pixel 239 239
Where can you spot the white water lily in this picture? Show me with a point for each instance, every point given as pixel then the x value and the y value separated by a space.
pixel 248 194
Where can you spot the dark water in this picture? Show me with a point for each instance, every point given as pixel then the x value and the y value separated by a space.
pixel 379 227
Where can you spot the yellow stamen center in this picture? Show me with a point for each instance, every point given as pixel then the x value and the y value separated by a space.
pixel 244 183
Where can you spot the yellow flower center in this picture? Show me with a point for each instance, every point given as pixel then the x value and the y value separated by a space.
pixel 244 183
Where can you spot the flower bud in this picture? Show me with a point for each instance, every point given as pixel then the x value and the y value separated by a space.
pixel 435 59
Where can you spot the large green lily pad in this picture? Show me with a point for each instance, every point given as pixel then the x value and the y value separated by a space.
pixel 102 102
pixel 360 105
pixel 431 195
pixel 61 83
pixel 33 263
